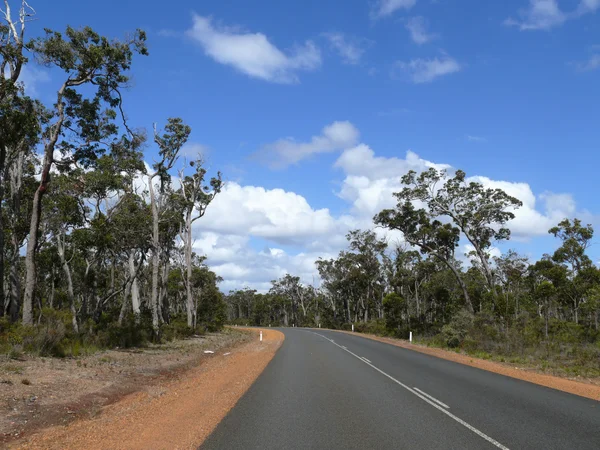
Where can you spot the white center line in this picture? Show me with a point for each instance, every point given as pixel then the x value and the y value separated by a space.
pixel 431 397
pixel 422 397
pixel 365 359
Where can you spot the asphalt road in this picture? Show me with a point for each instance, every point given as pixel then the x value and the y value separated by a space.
pixel 355 393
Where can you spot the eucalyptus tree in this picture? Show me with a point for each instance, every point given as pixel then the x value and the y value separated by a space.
pixel 77 124
pixel 575 240
pixel 196 195
pixel 19 127
pixel 451 206
pixel 170 142
pixel 421 229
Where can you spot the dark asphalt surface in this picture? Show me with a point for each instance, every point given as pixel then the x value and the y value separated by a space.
pixel 316 395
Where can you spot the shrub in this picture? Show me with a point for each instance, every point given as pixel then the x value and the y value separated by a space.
pixel 178 329
pixel 455 332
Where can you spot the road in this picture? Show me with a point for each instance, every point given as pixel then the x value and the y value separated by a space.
pixel 328 390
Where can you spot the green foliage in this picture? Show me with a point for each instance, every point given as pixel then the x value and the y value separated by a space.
pixel 455 332
pixel 178 329
pixel 395 310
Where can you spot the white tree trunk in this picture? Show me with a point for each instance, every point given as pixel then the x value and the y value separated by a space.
pixel 155 257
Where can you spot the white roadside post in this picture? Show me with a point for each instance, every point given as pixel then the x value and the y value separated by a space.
pixel 352 327
pixel 261 336
pixel 410 336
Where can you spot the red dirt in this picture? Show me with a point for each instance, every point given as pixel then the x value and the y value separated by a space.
pixel 170 412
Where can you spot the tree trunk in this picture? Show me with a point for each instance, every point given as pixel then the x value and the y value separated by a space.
pixel 164 313
pixel 459 279
pixel 60 244
pixel 155 258
pixel 191 312
pixel 135 289
pixel 36 211
pixel 30 266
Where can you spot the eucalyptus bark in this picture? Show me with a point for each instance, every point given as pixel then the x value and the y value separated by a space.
pixel 36 211
pixel 60 244
pixel 155 257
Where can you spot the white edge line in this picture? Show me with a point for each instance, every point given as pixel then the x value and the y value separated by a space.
pixel 366 359
pixel 431 397
pixel 422 397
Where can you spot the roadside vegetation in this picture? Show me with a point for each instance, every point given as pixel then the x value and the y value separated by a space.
pixel 95 245
pixel 542 314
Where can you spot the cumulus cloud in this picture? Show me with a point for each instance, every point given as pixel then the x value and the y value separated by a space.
pixel 427 70
pixel 252 53
pixel 232 258
pixel 417 27
pixel 370 182
pixel 253 235
pixel 274 214
pixel 385 8
pixel 547 14
pixel 350 49
pixel 284 152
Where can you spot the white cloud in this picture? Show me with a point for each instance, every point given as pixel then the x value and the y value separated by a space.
pixel 371 180
pixel 417 27
pixel 385 8
pixel 252 235
pixel 273 214
pixel 472 138
pixel 592 63
pixel 284 152
pixel 547 14
pixel 427 70
pixel 253 53
pixel 350 49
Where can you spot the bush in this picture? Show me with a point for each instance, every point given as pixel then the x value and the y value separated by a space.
pixel 177 329
pixel 377 326
pixel 454 333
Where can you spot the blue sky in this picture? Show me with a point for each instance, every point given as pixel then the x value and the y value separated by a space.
pixel 310 107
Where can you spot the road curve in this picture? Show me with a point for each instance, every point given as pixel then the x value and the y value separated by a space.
pixel 333 390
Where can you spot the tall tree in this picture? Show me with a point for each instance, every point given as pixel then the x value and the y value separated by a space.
pixel 196 196
pixel 169 144
pixel 89 60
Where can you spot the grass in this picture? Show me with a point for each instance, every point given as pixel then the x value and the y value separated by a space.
pixel 13 369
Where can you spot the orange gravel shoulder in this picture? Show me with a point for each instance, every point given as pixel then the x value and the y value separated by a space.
pixel 562 384
pixel 177 415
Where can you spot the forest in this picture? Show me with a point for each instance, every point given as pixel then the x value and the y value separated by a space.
pixel 96 246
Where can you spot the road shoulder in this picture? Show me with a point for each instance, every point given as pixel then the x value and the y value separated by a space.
pixel 177 414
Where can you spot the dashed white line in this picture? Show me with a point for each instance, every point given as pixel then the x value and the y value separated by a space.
pixel 431 397
pixel 422 397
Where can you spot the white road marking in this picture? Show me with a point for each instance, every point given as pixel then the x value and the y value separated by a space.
pixel 431 397
pixel 422 397
pixel 362 357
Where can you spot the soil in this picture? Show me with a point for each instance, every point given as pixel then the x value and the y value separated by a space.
pixel 589 388
pixel 111 399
